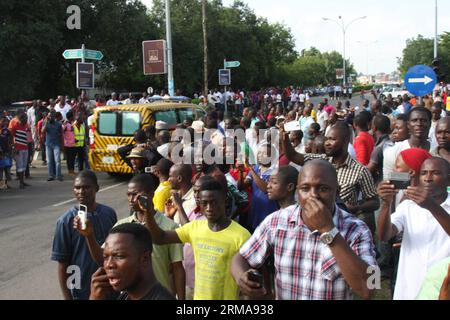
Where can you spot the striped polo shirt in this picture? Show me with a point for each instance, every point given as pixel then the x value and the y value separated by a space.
pixel 19 132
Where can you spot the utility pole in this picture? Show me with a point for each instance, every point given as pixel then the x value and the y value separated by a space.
pixel 170 79
pixel 436 31
pixel 205 49
pixel 344 28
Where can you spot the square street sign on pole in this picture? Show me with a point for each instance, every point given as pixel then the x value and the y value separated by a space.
pixel 154 55
pixel 339 74
pixel 85 75
pixel 224 77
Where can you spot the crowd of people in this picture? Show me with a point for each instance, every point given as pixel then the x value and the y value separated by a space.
pixel 53 129
pixel 276 201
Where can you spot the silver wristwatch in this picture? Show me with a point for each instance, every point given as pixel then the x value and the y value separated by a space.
pixel 328 237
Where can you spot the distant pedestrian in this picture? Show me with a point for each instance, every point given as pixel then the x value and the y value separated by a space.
pixel 53 143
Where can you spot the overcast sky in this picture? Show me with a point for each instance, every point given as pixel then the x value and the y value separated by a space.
pixel 373 44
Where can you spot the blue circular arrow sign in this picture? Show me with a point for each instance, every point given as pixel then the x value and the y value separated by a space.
pixel 420 80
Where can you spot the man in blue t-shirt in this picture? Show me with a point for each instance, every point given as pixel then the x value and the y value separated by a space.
pixel 52 129
pixel 70 250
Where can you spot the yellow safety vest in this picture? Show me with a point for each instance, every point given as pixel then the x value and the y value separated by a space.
pixel 79 135
pixel 448 103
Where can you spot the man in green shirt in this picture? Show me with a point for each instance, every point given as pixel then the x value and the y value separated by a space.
pixel 436 283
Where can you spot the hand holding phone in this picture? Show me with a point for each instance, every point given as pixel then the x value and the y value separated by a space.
pixel 143 202
pixel 256 276
pixel 400 180
pixel 82 213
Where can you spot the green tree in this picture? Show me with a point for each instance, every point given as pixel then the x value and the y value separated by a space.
pixel 234 33
pixel 417 51
pixel 420 50
pixel 313 68
pixel 34 35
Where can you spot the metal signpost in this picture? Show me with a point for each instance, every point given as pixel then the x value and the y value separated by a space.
pixel 85 71
pixel 225 77
pixel 85 75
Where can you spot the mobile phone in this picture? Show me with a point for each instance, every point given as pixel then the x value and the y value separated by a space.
pixel 143 201
pixel 257 277
pixel 151 169
pixel 400 180
pixel 82 213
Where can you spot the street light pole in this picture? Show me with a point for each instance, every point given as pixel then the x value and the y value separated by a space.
pixel 367 44
pixel 344 27
pixel 344 33
pixel 436 31
pixel 170 79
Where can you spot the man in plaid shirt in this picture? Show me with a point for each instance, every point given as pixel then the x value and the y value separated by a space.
pixel 320 252
pixel 354 179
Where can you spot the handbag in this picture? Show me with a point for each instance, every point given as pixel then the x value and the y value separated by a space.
pixel 5 162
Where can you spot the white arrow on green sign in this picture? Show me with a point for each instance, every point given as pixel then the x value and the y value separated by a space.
pixel 93 54
pixel 232 64
pixel 73 54
pixel 78 54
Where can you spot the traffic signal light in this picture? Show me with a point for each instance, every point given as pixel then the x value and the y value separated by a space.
pixel 436 65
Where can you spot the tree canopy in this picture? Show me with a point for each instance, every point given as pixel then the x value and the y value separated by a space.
pixel 420 50
pixel 33 36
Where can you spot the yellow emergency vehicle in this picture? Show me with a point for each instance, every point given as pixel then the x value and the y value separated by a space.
pixel 112 127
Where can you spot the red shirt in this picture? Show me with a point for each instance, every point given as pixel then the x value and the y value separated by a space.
pixel 235 174
pixel 363 145
pixel 283 161
pixel 20 134
pixel 39 126
pixel 329 109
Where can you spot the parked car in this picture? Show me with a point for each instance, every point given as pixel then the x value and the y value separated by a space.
pixel 394 92
pixel 15 106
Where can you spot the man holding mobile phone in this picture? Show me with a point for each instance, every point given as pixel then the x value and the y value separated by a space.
pixel 320 251
pixel 425 222
pixel 70 248
pixel 132 274
pixel 164 258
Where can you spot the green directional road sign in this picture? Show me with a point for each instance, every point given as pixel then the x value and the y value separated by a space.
pixel 73 54
pixel 78 54
pixel 232 64
pixel 93 55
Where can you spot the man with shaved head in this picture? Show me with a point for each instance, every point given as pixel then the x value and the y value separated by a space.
pixel 353 177
pixel 424 220
pixel 180 178
pixel 332 248
pixel 442 132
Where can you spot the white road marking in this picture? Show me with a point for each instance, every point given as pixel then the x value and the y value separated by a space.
pixel 101 190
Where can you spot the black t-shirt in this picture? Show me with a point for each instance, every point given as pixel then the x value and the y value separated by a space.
pixel 5 135
pixel 158 292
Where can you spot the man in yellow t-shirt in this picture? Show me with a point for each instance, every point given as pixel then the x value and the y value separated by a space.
pixel 214 241
pixel 162 193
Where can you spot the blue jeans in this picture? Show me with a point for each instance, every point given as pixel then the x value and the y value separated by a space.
pixel 54 161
